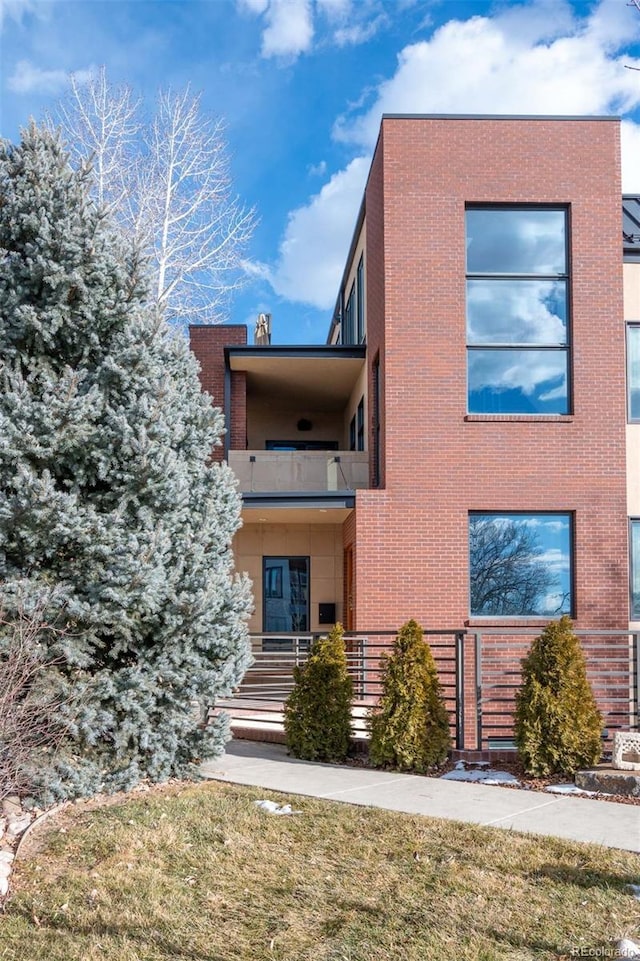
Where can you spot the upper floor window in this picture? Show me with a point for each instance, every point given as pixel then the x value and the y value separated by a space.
pixel 517 310
pixel 348 324
pixel 360 415
pixel 353 321
pixel 633 371
pixel 360 299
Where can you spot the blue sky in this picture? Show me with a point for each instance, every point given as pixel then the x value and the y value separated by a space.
pixel 302 85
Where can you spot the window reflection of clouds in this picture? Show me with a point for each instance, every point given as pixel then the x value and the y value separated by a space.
pixel 516 312
pixel 518 381
pixel 513 573
pixel 516 241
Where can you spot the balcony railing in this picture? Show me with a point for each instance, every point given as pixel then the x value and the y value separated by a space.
pixel 318 470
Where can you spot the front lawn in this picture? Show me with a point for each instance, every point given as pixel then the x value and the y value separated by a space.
pixel 199 873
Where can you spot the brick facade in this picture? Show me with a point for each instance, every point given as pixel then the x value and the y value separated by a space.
pixel 208 343
pixel 440 463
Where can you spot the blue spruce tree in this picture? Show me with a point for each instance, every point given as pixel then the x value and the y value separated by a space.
pixel 110 508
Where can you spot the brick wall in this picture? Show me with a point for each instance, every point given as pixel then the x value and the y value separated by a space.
pixel 412 537
pixel 208 343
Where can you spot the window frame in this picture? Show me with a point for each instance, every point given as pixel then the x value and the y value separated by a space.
pixel 635 325
pixel 284 557
pixel 350 317
pixel 360 325
pixel 634 564
pixel 360 425
pixel 566 277
pixel 564 514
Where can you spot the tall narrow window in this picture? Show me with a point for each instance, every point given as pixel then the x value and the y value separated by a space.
pixel 360 301
pixel 360 418
pixel 517 310
pixel 285 594
pixel 376 478
pixel 520 565
pixel 348 334
pixel 635 569
pixel 633 371
pixel 352 433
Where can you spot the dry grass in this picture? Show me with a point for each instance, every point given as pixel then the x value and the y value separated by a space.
pixel 200 873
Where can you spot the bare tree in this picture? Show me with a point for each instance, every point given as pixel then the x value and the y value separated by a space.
pixel 507 574
pixel 168 182
pixel 31 727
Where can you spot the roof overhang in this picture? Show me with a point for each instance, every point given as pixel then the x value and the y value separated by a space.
pixel 297 507
pixel 324 375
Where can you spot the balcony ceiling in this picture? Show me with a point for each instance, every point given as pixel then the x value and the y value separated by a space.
pixel 322 382
pixel 294 515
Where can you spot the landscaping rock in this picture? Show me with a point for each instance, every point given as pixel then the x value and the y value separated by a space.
pixel 608 780
pixel 5 869
pixel 627 949
pixel 4 886
pixel 18 824
pixel 11 805
pixel 6 856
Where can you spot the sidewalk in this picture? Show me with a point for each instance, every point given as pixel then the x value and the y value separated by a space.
pixel 578 819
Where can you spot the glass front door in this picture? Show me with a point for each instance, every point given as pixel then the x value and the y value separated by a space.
pixel 285 602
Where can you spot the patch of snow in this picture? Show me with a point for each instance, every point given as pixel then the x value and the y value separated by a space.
pixel 272 808
pixel 635 890
pixel 482 776
pixel 568 789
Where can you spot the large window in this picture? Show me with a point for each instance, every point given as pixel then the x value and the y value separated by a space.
pixel 520 565
pixel 285 594
pixel 635 569
pixel 633 371
pixel 517 310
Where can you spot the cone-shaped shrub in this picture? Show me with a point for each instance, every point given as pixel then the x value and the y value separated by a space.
pixel 317 715
pixel 410 726
pixel 558 727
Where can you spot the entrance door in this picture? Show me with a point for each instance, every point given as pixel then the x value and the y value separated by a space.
pixel 286 595
pixel 348 590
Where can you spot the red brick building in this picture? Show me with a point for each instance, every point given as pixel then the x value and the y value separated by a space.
pixel 456 452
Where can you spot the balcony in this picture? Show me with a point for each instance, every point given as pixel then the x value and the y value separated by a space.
pixel 264 470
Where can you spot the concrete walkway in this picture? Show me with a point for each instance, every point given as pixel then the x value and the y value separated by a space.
pixel 579 819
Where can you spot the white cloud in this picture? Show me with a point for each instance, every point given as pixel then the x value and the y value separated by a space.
pixel 630 137
pixel 289 29
pixel 27 78
pixel 334 9
pixel 15 10
pixel 253 6
pixel 531 58
pixel 317 170
pixel 356 33
pixel 315 243
pixel 290 25
pixel 537 58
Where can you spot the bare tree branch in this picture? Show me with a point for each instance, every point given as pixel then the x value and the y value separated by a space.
pixel 31 728
pixel 169 184
pixel 507 575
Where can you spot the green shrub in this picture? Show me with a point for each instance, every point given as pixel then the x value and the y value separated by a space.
pixel 317 715
pixel 410 725
pixel 558 727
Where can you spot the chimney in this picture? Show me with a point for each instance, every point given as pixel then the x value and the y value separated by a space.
pixel 262 333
